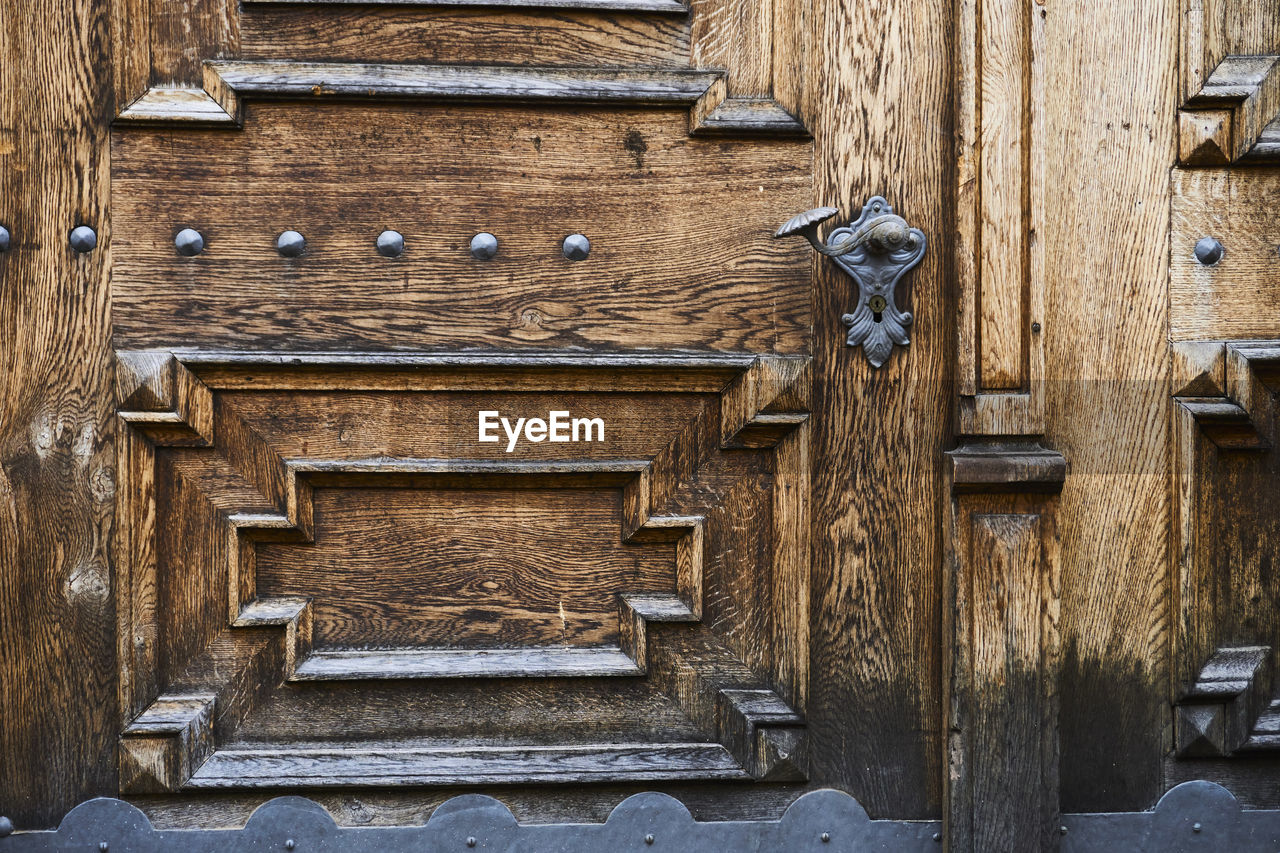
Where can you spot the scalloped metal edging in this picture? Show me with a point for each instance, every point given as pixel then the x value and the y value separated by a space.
pixel 1194 816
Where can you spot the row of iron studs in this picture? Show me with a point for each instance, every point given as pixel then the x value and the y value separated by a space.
pixel 390 244
pixel 291 244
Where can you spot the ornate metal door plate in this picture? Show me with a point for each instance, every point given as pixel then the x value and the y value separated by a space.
pixel 877 249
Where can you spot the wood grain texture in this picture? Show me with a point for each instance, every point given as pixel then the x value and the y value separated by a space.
pixel 1005 149
pixel 1244 91
pixel 1239 297
pixel 1000 146
pixel 1212 30
pixel 185 34
pixel 57 475
pixel 879 101
pixel 293 80
pixel 451 35
pixel 681 256
pixel 1107 369
pixel 736 35
pixel 1230 85
pixel 1003 704
pixel 465 569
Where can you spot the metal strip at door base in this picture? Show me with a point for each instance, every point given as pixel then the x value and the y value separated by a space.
pixel 1194 816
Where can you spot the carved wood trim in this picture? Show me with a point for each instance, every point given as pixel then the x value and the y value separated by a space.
pixel 1215 715
pixel 173 736
pixel 1234 384
pixel 187 75
pixel 1230 78
pixel 228 83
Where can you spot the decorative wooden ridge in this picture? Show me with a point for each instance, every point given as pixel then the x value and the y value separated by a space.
pixel 1218 713
pixel 228 83
pixel 1224 387
pixel 172 400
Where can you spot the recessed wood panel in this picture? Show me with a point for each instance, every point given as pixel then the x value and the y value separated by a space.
pixel 437 425
pixel 681 229
pixel 465 568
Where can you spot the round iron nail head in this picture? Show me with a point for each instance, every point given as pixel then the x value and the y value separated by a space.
pixel 291 244
pixel 83 239
pixel 576 247
pixel 390 244
pixel 484 246
pixel 1208 251
pixel 189 242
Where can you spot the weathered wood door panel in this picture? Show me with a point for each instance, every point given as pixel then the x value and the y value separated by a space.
pixel 332 580
pixel 264 528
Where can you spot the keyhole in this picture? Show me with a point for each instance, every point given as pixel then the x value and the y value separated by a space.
pixel 877 305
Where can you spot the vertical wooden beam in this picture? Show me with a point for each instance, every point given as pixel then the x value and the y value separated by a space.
pixel 58 719
pixel 999 261
pixel 881 79
pixel 1003 593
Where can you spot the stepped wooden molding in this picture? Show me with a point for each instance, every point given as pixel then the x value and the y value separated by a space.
pixel 1233 384
pixel 1217 713
pixel 1224 434
pixel 1226 120
pixel 163 57
pixel 228 83
pixel 1230 70
pixel 231 657
pixel 999 209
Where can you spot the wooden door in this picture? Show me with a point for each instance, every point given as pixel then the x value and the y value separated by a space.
pixel 405 400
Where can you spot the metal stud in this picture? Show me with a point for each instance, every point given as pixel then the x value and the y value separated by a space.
pixel 1196 827
pixel 6 827
pixel 189 242
pixel 471 841
pixel 484 246
pixel 289 844
pixel 576 247
pixel 104 846
pixel 1035 328
pixel 83 239
pixel 826 837
pixel 390 244
pixel 4 239
pixel 291 244
pixel 1208 251
pixel 648 839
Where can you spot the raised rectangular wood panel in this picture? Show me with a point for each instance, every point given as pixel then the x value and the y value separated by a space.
pixel 1000 263
pixel 315 543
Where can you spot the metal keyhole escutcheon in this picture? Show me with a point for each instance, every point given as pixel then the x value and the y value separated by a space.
pixel 877 249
